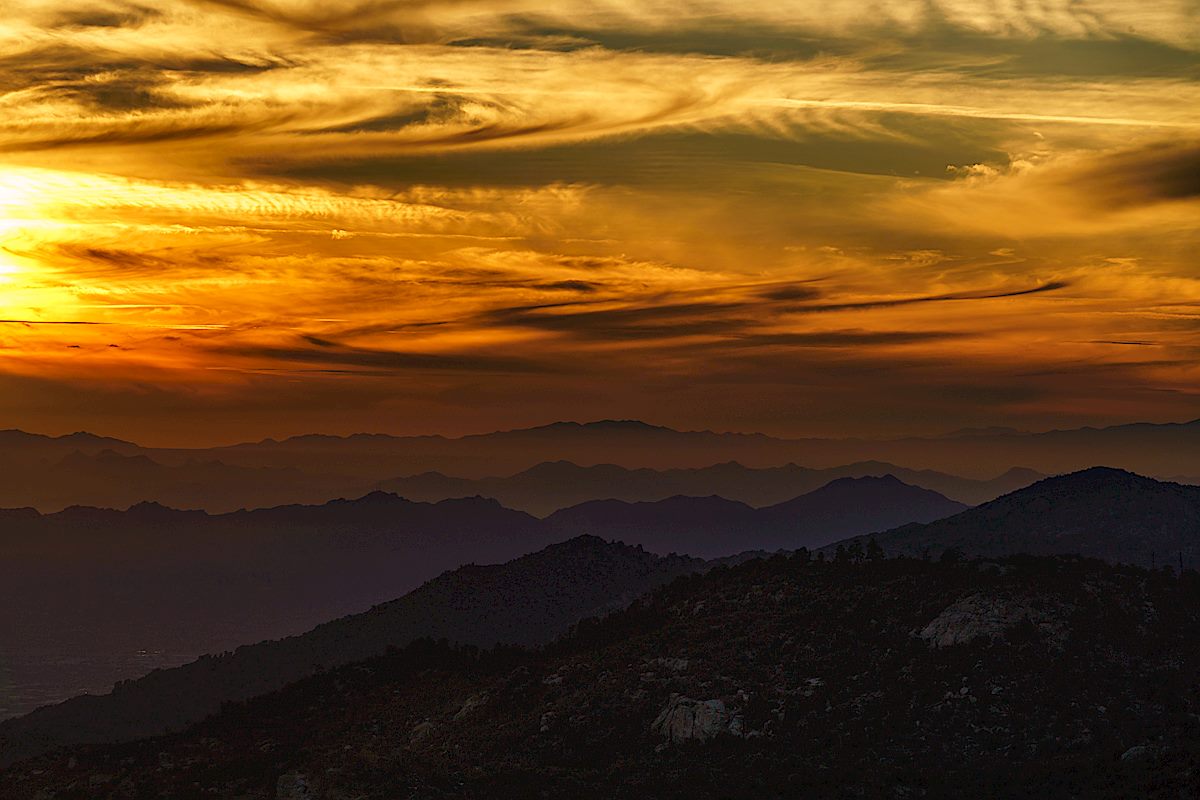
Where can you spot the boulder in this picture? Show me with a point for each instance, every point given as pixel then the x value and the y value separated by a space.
pixel 686 719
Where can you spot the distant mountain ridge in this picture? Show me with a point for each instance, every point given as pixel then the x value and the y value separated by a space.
pixel 53 472
pixel 1152 448
pixel 1099 512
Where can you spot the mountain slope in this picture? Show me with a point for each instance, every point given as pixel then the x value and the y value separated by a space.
pixel 778 678
pixel 527 601
pixel 1101 513
pixel 156 587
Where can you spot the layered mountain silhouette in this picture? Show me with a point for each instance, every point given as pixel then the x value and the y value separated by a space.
pixel 110 479
pixel 88 596
pixel 1165 449
pixel 1152 449
pixel 1100 512
pixel 710 526
pixel 776 678
pixel 91 596
pixel 527 601
pixel 550 486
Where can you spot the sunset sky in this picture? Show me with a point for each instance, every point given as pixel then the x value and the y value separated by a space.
pixel 229 219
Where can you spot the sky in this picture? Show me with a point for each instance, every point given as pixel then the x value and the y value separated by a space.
pixel 228 219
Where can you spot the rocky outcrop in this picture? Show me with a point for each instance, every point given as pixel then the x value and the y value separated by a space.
pixel 686 719
pixel 993 616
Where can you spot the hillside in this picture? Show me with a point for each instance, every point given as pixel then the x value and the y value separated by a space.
pixel 778 678
pixel 1101 513
pixel 527 601
pixel 91 596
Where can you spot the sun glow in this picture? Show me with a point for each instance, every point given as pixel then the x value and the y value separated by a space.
pixel 14 201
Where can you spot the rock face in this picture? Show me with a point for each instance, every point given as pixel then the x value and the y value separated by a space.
pixel 686 719
pixel 992 616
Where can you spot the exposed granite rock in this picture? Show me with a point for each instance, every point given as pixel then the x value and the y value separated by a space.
pixel 993 616
pixel 684 719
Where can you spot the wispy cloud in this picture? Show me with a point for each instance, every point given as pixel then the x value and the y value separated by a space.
pixel 444 207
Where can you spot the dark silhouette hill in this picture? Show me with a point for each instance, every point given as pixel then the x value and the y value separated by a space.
pixel 870 503
pixel 1027 677
pixel 713 526
pixel 551 486
pixel 527 601
pixel 1100 512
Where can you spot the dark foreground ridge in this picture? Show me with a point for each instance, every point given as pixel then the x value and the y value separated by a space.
pixel 1025 677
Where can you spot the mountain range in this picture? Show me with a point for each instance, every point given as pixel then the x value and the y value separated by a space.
pixel 551 486
pixel 331 463
pixel 91 596
pixel 109 479
pixel 776 678
pixel 1100 512
pixel 1155 449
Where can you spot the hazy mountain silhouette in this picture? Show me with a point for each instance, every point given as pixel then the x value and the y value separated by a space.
pixel 1100 512
pixel 86 594
pixel 1161 449
pixel 111 479
pixel 527 601
pixel 314 468
pixel 1148 448
pixel 777 678
pixel 714 526
pixel 551 486
pixel 90 596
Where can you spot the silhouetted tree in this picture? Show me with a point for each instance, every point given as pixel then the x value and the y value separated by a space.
pixel 951 555
pixel 874 551
pixel 855 551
